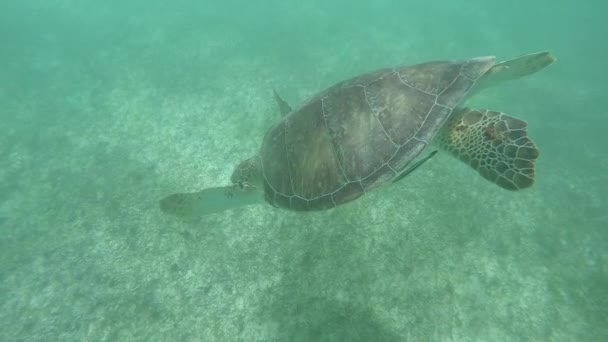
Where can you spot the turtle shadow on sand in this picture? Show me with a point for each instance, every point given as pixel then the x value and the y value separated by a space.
pixel 314 318
pixel 326 281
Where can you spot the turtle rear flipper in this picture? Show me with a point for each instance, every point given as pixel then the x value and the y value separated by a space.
pixel 210 200
pixel 284 107
pixel 493 143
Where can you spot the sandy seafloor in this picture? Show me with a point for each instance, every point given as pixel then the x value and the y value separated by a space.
pixel 105 108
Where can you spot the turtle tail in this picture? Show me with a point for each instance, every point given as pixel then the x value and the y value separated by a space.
pixel 493 143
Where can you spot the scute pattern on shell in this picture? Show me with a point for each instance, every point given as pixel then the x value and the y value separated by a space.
pixel 359 133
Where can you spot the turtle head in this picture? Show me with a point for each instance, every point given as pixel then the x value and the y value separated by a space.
pixel 247 171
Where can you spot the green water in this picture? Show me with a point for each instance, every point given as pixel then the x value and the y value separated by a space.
pixel 107 106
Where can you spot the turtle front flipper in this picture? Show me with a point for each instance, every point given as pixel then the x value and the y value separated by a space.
pixel 515 68
pixel 211 200
pixel 493 143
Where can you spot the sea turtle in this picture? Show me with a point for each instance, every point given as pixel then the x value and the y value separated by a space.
pixel 365 131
